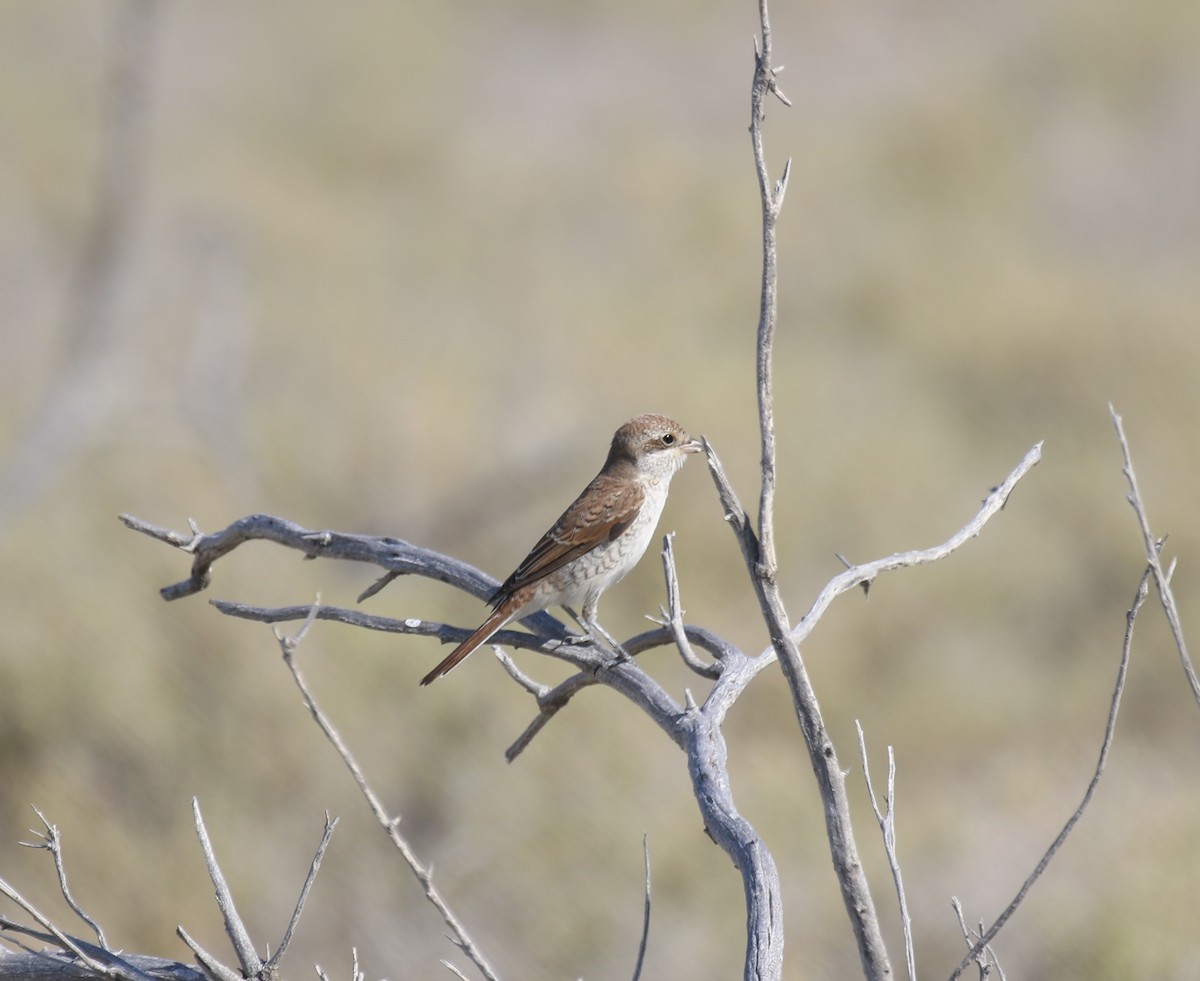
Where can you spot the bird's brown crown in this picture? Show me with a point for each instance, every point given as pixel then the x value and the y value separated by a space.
pixel 647 434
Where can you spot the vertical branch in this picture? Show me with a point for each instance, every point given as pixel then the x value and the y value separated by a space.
pixel 856 892
pixel 772 202
pixel 887 826
pixel 1162 579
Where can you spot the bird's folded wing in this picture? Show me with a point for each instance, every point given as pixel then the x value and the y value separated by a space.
pixel 605 509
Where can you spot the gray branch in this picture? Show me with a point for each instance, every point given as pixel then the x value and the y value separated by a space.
pixel 1152 545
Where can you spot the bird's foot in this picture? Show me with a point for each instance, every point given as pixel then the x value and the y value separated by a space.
pixel 577 640
pixel 603 643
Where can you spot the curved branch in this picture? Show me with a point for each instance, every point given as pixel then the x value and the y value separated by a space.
pixel 977 950
pixel 709 770
pixel 864 574
pixel 393 554
pixel 389 823
pixel 1162 580
pixel 65 965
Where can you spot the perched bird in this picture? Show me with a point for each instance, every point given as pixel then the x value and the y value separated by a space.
pixel 598 539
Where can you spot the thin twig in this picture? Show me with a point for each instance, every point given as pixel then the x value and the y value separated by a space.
pixel 314 867
pixel 1153 547
pixel 62 939
pixel 535 688
pixel 673 615
pixel 235 929
pixel 1105 745
pixel 772 202
pixel 390 824
pixel 211 966
pixel 986 958
pixel 887 826
pixel 52 842
pixel 641 957
pixel 992 505
pixel 356 973
pixel 549 703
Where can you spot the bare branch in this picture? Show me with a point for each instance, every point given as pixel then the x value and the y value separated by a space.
pixel 213 968
pixel 390 824
pixel 772 202
pixel 356 973
pixel 887 825
pixel 673 615
pixel 549 702
pixel 410 626
pixel 1153 546
pixel 985 958
pixel 857 575
pixel 273 962
pixel 856 893
pixel 64 965
pixel 65 942
pixel 735 514
pixel 536 689
pixel 641 957
pixel 387 553
pixel 708 767
pixel 235 929
pixel 52 842
pixel 1109 729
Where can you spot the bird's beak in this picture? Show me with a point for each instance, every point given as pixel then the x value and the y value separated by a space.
pixel 693 446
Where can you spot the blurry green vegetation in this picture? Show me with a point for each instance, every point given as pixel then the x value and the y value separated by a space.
pixel 402 268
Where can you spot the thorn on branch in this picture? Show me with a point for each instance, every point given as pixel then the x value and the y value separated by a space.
pixel 865 584
pixel 377 585
pixel 781 185
pixel 769 75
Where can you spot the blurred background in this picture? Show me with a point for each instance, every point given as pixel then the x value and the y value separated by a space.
pixel 401 269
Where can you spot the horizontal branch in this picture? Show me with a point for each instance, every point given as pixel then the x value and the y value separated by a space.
pixel 863 575
pixel 58 965
pixel 388 553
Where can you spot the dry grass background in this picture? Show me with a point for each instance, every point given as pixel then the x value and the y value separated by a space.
pixel 402 268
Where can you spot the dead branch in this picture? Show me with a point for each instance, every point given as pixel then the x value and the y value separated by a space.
pixel 51 841
pixel 1110 726
pixel 390 824
pixel 1153 546
pixel 886 816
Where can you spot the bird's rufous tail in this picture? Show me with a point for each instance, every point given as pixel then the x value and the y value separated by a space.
pixel 468 646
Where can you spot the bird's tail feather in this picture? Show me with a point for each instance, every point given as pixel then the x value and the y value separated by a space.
pixel 468 646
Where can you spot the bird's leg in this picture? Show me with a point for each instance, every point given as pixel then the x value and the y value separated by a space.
pixel 613 643
pixel 591 627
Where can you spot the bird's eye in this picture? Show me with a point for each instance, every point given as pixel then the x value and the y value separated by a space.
pixel 668 439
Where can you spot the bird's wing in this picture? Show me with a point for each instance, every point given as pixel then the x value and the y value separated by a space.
pixel 605 509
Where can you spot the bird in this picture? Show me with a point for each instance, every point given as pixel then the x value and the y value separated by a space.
pixel 596 540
